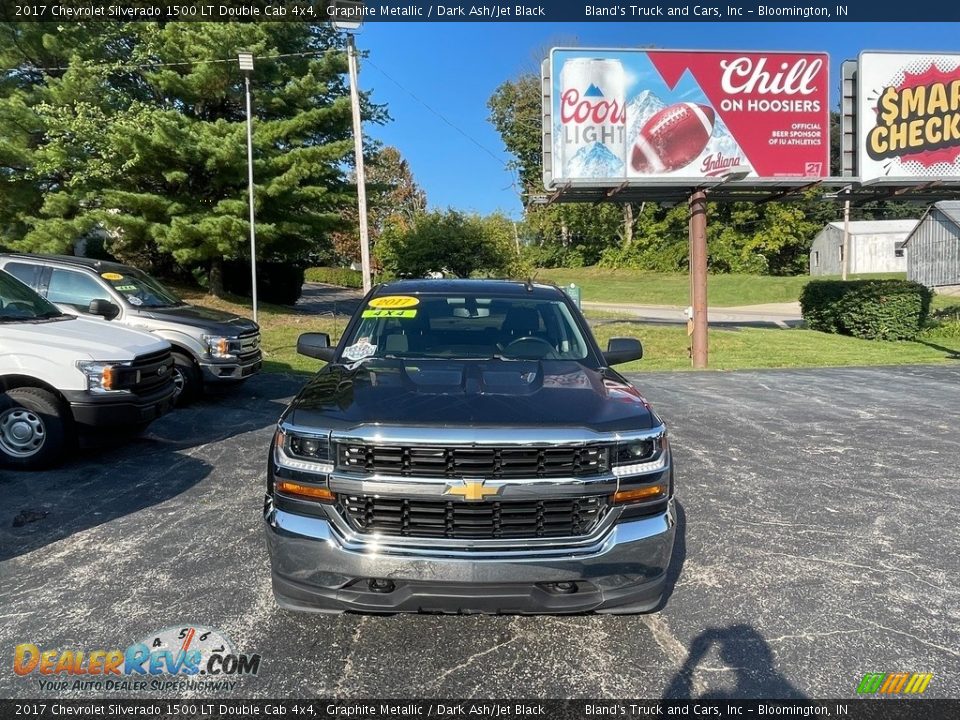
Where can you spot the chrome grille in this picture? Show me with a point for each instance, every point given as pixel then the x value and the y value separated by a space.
pixel 148 372
pixel 487 462
pixel 249 345
pixel 562 517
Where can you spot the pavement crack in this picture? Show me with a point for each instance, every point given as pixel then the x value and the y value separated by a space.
pixel 446 673
pixel 941 648
pixel 881 569
pixel 812 636
pixel 338 691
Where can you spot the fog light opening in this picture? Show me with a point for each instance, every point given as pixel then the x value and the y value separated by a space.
pixel 562 588
pixel 379 585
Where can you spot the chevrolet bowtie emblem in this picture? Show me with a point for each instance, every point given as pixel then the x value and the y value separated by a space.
pixel 471 491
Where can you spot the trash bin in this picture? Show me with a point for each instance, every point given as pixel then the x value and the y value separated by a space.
pixel 574 292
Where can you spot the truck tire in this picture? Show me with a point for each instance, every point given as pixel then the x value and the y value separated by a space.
pixel 187 378
pixel 34 427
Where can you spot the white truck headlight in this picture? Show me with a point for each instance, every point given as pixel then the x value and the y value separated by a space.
pixel 103 377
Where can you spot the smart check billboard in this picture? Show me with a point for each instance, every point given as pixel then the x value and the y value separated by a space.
pixel 908 105
pixel 685 115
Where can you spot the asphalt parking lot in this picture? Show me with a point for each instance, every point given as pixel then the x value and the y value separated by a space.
pixel 818 540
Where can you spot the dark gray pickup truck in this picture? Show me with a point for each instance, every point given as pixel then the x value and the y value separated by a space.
pixel 467 448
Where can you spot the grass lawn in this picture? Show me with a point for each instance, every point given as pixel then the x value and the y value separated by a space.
pixel 648 288
pixel 279 327
pixel 665 347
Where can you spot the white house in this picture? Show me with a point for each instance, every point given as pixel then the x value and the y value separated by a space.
pixel 875 246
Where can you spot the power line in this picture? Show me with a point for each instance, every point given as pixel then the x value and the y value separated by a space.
pixel 185 63
pixel 440 115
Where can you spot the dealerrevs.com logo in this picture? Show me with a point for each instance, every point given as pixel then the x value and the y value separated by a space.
pixel 174 658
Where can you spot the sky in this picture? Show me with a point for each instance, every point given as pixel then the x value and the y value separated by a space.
pixel 436 79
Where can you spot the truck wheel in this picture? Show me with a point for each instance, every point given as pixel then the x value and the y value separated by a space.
pixel 187 379
pixel 33 428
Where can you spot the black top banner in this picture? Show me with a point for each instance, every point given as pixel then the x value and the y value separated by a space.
pixel 350 11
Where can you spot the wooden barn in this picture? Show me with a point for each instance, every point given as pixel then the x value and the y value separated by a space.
pixel 933 248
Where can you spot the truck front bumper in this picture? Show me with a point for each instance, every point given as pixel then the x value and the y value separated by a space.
pixel 226 371
pixel 121 410
pixel 316 569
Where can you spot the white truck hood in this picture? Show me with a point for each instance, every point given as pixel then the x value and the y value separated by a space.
pixel 77 339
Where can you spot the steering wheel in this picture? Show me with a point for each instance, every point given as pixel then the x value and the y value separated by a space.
pixel 533 343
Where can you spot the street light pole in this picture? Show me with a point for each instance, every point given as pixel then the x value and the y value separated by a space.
pixel 246 65
pixel 358 153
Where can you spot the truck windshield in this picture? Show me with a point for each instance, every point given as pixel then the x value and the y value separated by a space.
pixel 471 327
pixel 140 289
pixel 18 303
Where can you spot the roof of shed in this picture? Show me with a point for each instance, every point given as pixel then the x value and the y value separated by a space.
pixel 950 208
pixel 879 227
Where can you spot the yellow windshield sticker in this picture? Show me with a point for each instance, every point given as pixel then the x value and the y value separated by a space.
pixel 111 276
pixel 386 313
pixel 394 302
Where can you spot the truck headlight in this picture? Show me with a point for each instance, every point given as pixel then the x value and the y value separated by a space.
pixel 301 452
pixel 304 455
pixel 102 377
pixel 641 455
pixel 220 346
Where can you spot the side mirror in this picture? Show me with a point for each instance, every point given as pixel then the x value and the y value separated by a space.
pixel 622 350
pixel 103 308
pixel 316 345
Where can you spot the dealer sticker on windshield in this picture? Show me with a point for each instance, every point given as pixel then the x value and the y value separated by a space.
pixel 389 314
pixel 111 276
pixel 394 302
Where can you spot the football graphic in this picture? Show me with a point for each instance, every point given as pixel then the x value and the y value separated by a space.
pixel 672 138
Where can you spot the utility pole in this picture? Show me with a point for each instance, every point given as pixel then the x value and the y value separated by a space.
pixel 358 153
pixel 698 277
pixel 246 65
pixel 845 247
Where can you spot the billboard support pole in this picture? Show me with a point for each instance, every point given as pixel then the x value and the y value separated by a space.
pixel 698 277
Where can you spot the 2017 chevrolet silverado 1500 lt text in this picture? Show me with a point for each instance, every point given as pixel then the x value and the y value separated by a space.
pixel 62 376
pixel 468 449
pixel 210 347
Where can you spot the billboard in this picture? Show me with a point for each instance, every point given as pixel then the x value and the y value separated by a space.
pixel 908 106
pixel 685 115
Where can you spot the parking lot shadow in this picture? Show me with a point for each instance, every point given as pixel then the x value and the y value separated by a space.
pixel 679 555
pixel 743 652
pixel 42 508
pixel 97 485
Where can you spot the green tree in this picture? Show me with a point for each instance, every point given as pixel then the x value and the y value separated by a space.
pixel 449 242
pixel 140 128
pixel 393 196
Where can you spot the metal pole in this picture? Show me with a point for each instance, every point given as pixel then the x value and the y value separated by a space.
pixel 698 276
pixel 358 152
pixel 253 232
pixel 845 248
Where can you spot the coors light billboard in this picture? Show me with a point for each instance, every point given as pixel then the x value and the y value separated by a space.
pixel 632 114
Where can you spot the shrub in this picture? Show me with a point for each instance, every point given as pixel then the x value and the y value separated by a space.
pixel 945 322
pixel 344 277
pixel 868 309
pixel 277 282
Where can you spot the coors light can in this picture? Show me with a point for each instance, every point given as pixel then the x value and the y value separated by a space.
pixel 592 118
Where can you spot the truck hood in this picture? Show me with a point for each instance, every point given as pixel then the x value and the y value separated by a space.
pixel 212 322
pixel 82 339
pixel 507 393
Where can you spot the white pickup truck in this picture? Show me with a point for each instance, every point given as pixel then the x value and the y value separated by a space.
pixel 64 378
